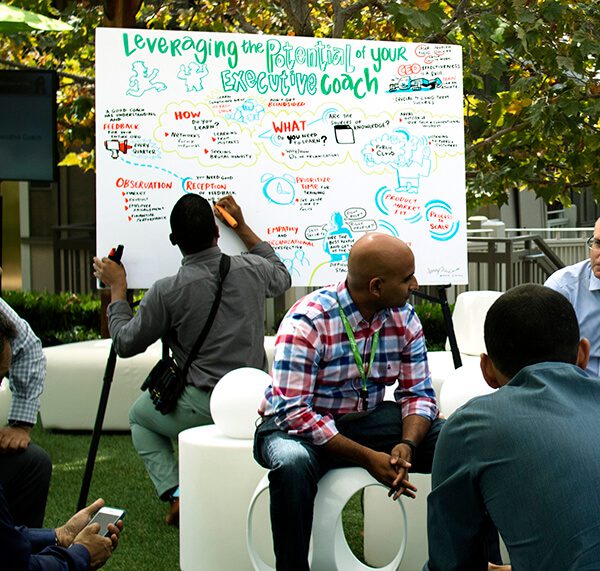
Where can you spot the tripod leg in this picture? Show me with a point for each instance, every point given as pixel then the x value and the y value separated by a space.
pixel 449 327
pixel 109 373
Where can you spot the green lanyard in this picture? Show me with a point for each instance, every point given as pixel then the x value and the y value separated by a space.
pixel 364 394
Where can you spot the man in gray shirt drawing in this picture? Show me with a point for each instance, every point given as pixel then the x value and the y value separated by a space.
pixel 175 308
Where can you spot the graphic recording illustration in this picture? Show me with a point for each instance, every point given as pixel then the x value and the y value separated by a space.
pixel 296 260
pixel 387 228
pixel 338 238
pixel 279 189
pixel 191 130
pixel 319 140
pixel 416 84
pixel 441 221
pixel 293 136
pixel 249 111
pixel 192 75
pixel 409 156
pixel 341 232
pixel 143 80
pixel 356 219
pixel 344 134
pixel 114 146
pixel 407 207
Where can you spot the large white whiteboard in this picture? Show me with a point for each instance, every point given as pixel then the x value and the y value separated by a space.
pixel 319 141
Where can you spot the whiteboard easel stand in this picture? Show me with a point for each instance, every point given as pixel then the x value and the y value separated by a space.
pixel 442 299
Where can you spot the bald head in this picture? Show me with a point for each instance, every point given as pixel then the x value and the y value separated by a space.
pixel 380 272
pixel 376 254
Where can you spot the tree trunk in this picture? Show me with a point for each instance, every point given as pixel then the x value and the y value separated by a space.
pixel 120 13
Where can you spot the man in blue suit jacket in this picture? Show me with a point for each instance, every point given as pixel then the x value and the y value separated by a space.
pixel 74 546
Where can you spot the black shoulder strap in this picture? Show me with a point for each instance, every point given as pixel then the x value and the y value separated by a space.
pixel 223 270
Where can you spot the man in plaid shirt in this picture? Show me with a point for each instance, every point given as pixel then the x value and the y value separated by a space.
pixel 336 351
pixel 25 468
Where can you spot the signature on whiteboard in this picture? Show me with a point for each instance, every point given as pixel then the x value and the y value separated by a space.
pixel 444 271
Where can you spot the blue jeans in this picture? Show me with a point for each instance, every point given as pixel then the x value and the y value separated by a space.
pixel 296 466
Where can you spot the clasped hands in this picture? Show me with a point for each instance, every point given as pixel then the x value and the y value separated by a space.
pixel 392 471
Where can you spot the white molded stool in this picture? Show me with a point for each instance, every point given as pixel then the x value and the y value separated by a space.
pixel 217 476
pixel 381 514
pixel 468 318
pixel 214 498
pixel 461 386
pixel 330 550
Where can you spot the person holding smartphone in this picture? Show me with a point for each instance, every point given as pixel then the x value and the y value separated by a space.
pixel 74 546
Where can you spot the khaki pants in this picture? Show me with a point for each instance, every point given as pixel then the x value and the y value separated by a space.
pixel 152 433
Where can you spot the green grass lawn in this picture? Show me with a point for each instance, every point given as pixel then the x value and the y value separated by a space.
pixel 147 543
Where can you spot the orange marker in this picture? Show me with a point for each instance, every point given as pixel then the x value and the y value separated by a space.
pixel 228 218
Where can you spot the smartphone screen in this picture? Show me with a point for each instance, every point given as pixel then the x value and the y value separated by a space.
pixel 105 516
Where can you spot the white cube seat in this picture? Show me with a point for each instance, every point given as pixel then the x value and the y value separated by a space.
pixel 270 350
pixel 218 475
pixel 5 400
pixel 468 318
pixel 74 379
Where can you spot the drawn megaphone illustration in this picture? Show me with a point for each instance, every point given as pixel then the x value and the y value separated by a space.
pixel 115 147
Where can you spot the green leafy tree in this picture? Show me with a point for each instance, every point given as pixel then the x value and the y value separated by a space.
pixel 531 72
pixel 72 55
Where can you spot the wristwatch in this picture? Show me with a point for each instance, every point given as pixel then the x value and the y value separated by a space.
pixel 19 424
pixel 412 445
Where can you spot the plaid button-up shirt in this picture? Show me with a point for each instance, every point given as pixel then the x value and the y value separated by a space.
pixel 27 369
pixel 316 378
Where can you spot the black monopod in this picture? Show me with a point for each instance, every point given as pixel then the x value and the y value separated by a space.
pixel 109 372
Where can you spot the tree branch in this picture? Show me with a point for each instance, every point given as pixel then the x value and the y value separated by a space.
pixel 341 14
pixel 355 8
pixel 438 37
pixel 235 14
pixel 298 11
pixel 497 135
